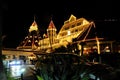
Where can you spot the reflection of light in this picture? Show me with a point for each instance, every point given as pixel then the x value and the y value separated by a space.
pixel 16 62
pixel 13 62
pixel 22 70
pixel 93 77
pixel 17 70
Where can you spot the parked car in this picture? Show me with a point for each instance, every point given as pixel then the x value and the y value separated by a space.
pixel 69 66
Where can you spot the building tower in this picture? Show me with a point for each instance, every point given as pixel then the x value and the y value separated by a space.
pixel 31 41
pixel 51 32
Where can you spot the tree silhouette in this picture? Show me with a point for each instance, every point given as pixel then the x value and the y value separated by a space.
pixel 2 70
pixel 61 49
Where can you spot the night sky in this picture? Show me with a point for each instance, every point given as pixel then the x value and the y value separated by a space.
pixel 20 15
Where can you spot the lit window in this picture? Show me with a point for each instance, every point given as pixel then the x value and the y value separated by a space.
pixel 68 32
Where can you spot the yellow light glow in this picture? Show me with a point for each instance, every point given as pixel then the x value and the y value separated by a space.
pixel 69 33
pixel 85 22
pixel 32 28
pixel 98 45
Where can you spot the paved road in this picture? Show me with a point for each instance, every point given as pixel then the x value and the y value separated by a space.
pixel 22 70
pixel 28 73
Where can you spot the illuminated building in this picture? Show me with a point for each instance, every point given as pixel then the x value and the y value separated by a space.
pixel 31 40
pixel 72 28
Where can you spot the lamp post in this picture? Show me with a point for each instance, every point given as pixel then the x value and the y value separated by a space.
pixel 98 49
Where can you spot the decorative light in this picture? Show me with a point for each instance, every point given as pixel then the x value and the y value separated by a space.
pixel 69 32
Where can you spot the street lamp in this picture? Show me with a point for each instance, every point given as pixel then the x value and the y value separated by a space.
pixel 98 48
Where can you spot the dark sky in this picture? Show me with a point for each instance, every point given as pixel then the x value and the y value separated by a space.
pixel 20 15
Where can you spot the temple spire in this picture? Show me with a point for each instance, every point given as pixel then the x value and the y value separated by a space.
pixel 34 26
pixel 51 25
pixel 31 41
pixel 51 32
